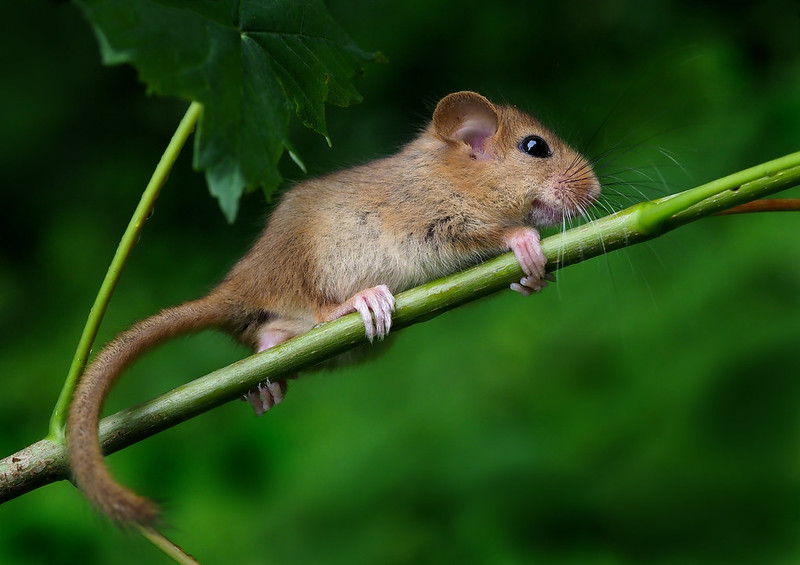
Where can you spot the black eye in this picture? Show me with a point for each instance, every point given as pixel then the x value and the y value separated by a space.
pixel 535 146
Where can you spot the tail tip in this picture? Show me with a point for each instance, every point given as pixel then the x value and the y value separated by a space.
pixel 133 511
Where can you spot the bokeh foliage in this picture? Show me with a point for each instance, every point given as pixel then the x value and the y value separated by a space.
pixel 644 410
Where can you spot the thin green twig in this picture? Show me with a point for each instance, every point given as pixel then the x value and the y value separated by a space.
pixel 659 211
pixel 170 548
pixel 46 460
pixel 129 239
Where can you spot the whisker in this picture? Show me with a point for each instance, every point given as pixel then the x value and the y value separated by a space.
pixel 671 157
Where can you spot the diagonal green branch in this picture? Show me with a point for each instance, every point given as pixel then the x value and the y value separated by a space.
pixel 45 461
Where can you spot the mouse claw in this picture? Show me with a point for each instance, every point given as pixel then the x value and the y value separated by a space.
pixel 266 395
pixel 375 306
pixel 528 285
pixel 523 290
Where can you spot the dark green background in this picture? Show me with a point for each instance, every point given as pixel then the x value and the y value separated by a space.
pixel 645 409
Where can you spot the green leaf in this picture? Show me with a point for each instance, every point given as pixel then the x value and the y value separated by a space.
pixel 249 63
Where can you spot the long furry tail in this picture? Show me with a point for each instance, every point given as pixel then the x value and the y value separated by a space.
pixel 86 458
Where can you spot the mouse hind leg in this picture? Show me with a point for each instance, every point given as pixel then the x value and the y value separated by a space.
pixel 375 306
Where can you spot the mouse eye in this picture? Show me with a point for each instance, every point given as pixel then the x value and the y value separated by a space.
pixel 535 146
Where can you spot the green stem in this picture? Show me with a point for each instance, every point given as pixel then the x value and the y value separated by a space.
pixel 169 548
pixel 46 461
pixel 129 239
pixel 655 214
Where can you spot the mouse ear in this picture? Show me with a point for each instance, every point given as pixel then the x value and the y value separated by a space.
pixel 466 117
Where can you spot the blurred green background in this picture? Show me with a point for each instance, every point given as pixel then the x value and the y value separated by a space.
pixel 645 409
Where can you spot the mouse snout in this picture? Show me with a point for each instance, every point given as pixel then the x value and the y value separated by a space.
pixel 576 188
pixel 567 195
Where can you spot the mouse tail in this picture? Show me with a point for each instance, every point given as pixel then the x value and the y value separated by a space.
pixel 89 471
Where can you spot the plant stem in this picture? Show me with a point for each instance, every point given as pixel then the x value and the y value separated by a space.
pixel 172 550
pixel 767 205
pixel 46 460
pixel 126 244
pixel 661 210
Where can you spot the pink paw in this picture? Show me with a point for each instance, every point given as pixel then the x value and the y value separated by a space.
pixel 266 395
pixel 375 305
pixel 528 285
pixel 528 251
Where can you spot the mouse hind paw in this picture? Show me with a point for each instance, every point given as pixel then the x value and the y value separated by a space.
pixel 266 395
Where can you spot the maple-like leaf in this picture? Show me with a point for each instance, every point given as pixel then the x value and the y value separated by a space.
pixel 250 63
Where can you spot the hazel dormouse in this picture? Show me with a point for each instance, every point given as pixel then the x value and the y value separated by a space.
pixel 477 181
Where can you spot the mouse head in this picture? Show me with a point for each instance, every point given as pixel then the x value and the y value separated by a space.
pixel 512 160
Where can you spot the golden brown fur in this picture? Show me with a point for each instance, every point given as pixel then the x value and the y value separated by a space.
pixel 455 195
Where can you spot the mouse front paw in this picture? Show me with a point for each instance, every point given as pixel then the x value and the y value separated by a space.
pixel 528 285
pixel 525 243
